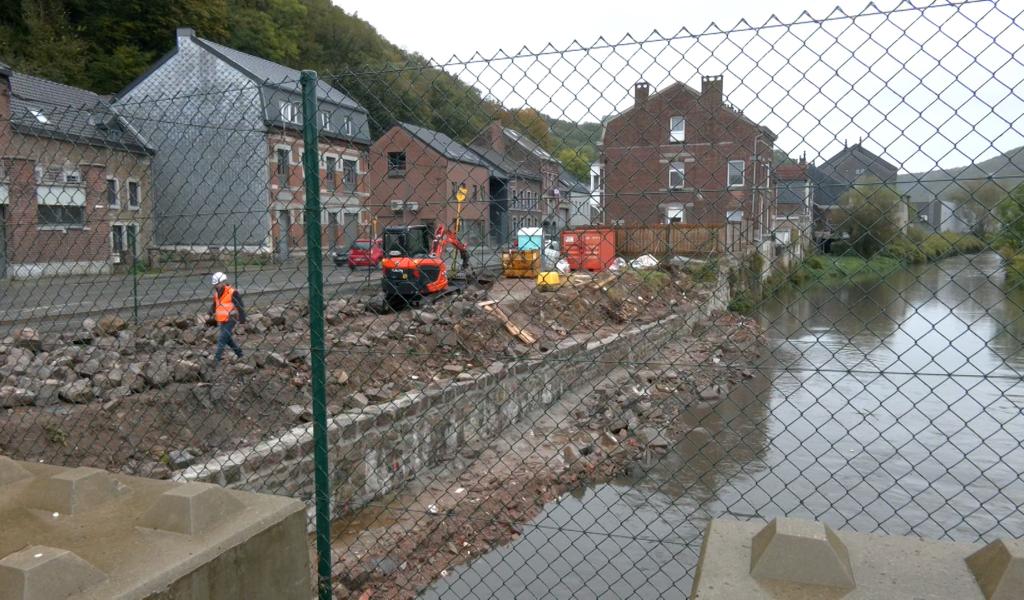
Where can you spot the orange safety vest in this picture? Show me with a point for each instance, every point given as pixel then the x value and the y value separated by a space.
pixel 223 304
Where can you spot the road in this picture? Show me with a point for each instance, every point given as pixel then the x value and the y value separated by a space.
pixel 61 303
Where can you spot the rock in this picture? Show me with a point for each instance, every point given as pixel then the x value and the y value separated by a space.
pixel 465 377
pixel 180 459
pixel 103 381
pixel 19 360
pixel 652 437
pixel 65 374
pixel 274 360
pixel 158 373
pixel 646 376
pixel 608 441
pixel 120 392
pixel 453 368
pixel 496 367
pixel 299 413
pixel 48 392
pixel 187 371
pixel 28 339
pixel 357 400
pixel 424 317
pixel 243 369
pixel 570 454
pixel 135 378
pixel 11 396
pixel 89 325
pixel 89 367
pixel 111 325
pixel 340 376
pixel 710 393
pixel 79 392
pixel 191 337
pixel 276 315
pixel 298 354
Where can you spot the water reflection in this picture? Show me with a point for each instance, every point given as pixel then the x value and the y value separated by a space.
pixel 895 407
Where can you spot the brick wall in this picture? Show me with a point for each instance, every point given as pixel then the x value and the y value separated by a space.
pixel 376 450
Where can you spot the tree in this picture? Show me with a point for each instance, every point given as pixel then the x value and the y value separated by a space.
pixel 977 202
pixel 873 215
pixel 1011 218
pixel 576 162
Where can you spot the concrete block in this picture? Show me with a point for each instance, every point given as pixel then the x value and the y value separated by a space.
pixel 191 508
pixel 801 552
pixel 44 573
pixel 10 471
pixel 75 490
pixel 886 567
pixel 999 569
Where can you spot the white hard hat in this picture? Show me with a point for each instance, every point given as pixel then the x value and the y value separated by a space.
pixel 217 278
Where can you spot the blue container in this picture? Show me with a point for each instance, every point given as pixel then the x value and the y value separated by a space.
pixel 530 238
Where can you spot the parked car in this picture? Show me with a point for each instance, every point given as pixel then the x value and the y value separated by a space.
pixel 362 253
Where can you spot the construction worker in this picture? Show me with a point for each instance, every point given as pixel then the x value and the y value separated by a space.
pixel 228 311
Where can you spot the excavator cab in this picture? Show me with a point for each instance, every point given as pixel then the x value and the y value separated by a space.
pixel 414 263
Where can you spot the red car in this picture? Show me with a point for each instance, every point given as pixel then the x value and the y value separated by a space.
pixel 364 253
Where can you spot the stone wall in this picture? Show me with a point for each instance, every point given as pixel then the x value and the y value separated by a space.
pixel 375 450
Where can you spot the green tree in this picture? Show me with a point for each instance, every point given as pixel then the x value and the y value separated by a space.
pixel 576 162
pixel 1011 218
pixel 873 215
pixel 977 202
pixel 530 122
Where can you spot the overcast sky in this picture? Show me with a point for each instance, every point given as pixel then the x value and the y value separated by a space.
pixel 941 86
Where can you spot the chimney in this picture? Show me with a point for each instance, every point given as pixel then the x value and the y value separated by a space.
pixel 641 91
pixel 711 90
pixel 185 33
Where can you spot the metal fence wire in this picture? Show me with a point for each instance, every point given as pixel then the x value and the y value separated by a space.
pixel 529 342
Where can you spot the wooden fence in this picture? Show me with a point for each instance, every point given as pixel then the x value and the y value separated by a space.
pixel 677 239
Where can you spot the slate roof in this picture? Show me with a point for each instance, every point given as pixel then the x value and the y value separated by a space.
pixel 530 146
pixel 827 190
pixel 791 192
pixel 444 145
pixel 276 75
pixel 504 167
pixel 862 155
pixel 46 108
pixel 570 181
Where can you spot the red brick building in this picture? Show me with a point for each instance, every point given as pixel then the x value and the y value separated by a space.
pixel 414 174
pixel 74 181
pixel 682 155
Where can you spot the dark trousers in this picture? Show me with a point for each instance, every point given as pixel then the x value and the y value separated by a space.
pixel 225 338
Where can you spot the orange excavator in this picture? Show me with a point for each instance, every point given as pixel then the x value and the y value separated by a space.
pixel 414 265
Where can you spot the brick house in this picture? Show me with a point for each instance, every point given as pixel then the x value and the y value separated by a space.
pixel 74 181
pixel 528 178
pixel 685 156
pixel 227 127
pixel 414 174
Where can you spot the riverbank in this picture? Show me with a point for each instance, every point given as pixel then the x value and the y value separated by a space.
pixel 484 497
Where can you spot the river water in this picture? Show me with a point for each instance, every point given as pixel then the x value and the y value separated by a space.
pixel 896 407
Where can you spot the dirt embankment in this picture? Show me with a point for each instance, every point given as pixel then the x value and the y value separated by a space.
pixel 398 546
pixel 147 399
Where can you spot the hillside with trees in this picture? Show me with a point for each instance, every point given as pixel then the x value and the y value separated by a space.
pixel 102 45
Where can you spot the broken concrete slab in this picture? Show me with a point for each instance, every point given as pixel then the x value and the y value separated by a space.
pixel 999 569
pixel 800 551
pixel 45 573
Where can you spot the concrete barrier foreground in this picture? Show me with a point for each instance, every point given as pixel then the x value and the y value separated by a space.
pixel 86 534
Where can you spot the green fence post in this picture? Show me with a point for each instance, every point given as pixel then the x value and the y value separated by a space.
pixel 135 273
pixel 314 262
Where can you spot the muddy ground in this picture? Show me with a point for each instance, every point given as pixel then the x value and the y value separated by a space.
pixel 147 399
pixel 397 546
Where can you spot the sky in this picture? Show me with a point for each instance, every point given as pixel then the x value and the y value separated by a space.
pixel 927 85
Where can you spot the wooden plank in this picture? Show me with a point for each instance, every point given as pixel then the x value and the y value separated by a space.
pixel 491 307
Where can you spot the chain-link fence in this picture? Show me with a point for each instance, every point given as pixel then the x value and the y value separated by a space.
pixel 521 325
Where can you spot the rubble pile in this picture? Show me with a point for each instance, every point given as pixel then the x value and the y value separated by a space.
pixel 122 396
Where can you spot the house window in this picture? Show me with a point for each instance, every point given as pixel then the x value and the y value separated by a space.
pixel 325 120
pixel 350 174
pixel 283 158
pixel 121 237
pixel 735 174
pixel 38 114
pixel 331 173
pixel 346 126
pixel 676 176
pixel 396 164
pixel 112 195
pixel 734 216
pixel 289 112
pixel 676 129
pixel 61 215
pixel 133 194
pixel 675 214
pixel 476 193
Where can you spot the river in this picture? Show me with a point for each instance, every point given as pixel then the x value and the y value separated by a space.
pixel 896 407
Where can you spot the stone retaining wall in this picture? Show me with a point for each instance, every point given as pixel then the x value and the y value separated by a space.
pixel 373 451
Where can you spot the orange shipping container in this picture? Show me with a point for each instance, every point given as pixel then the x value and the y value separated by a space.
pixel 589 249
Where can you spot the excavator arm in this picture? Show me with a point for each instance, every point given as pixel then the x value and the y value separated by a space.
pixel 442 238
